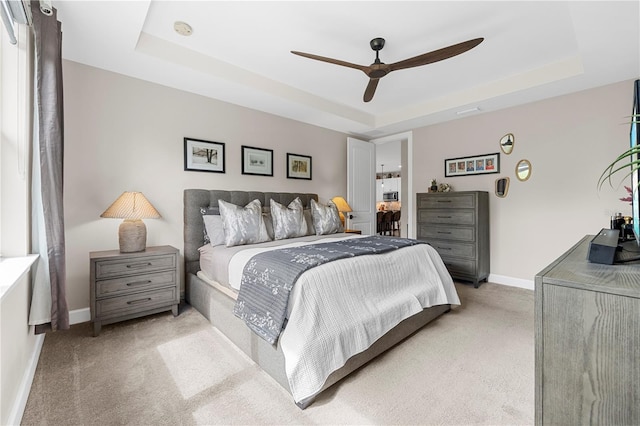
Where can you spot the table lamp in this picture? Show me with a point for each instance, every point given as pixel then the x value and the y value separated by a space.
pixel 132 207
pixel 343 207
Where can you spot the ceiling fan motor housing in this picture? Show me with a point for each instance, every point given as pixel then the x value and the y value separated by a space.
pixel 377 43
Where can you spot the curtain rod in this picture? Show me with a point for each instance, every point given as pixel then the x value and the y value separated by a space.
pixel 17 11
pixel 8 24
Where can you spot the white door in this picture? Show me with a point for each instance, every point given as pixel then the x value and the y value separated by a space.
pixel 361 190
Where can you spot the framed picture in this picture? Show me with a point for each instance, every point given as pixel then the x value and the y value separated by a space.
pixel 475 165
pixel 298 166
pixel 257 161
pixel 203 156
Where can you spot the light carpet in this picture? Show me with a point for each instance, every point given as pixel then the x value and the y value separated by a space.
pixel 473 365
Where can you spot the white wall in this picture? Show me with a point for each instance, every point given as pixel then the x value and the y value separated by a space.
pixel 569 141
pixel 123 134
pixel 19 350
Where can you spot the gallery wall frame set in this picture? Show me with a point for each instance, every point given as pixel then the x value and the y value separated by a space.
pixel 472 165
pixel 204 156
pixel 208 156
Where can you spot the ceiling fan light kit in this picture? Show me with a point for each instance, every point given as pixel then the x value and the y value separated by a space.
pixel 379 69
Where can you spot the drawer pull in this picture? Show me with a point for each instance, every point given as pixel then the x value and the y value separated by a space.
pixel 443 201
pixel 134 302
pixel 139 265
pixel 444 248
pixel 444 232
pixel 444 217
pixel 135 283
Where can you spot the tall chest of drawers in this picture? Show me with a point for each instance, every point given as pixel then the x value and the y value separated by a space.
pixel 131 285
pixel 456 224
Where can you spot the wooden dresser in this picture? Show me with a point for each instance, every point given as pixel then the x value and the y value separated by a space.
pixel 130 285
pixel 456 224
pixel 587 332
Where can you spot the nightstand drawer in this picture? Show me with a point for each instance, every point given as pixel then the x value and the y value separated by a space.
pixel 452 233
pixel 437 201
pixel 133 283
pixel 453 249
pixel 135 302
pixel 138 265
pixel 453 217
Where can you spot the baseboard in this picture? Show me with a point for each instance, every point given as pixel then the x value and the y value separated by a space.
pixel 510 281
pixel 15 417
pixel 78 316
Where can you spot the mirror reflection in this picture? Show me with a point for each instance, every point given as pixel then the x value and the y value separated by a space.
pixel 502 187
pixel 523 170
pixel 506 143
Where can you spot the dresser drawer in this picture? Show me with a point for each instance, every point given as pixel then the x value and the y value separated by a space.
pixel 453 217
pixel 460 201
pixel 454 249
pixel 136 302
pixel 457 266
pixel 451 233
pixel 138 265
pixel 133 283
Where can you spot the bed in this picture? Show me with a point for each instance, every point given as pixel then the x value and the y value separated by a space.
pixel 216 300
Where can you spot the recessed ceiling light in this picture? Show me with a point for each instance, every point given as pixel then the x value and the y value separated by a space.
pixel 182 28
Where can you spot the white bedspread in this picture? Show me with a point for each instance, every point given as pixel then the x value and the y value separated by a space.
pixel 339 309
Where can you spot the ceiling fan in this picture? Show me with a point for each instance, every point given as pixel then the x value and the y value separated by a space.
pixel 379 69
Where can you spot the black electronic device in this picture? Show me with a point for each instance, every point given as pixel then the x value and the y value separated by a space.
pixel 602 248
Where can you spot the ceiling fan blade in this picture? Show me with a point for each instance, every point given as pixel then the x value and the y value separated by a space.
pixel 371 89
pixel 436 55
pixel 330 60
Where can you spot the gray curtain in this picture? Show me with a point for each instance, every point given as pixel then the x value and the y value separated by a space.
pixel 47 209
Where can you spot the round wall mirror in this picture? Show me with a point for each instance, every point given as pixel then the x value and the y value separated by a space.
pixel 502 187
pixel 523 170
pixel 507 142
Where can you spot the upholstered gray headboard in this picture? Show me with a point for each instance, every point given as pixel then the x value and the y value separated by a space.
pixel 195 199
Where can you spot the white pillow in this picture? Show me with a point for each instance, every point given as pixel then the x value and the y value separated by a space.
pixel 288 222
pixel 214 229
pixel 326 219
pixel 243 225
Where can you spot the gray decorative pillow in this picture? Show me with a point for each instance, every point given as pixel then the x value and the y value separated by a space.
pixel 243 225
pixel 326 219
pixel 311 230
pixel 288 222
pixel 214 229
pixel 269 224
pixel 209 211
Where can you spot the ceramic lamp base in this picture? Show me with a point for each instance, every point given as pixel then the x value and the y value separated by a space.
pixel 132 235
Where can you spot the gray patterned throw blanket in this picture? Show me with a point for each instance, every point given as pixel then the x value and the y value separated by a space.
pixel 268 277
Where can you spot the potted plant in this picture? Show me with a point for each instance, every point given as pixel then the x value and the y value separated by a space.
pixel 628 160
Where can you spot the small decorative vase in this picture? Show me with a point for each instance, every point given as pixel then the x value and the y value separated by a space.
pixel 434 188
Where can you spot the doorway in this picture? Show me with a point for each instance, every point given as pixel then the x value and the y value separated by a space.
pixel 393 179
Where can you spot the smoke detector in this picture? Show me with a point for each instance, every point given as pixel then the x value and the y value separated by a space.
pixel 182 28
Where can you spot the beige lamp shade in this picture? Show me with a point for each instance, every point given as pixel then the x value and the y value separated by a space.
pixel 132 207
pixel 343 207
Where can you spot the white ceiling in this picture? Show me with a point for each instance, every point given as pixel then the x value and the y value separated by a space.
pixel 239 52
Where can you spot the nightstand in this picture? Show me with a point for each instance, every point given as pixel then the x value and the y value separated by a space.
pixel 353 231
pixel 130 285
